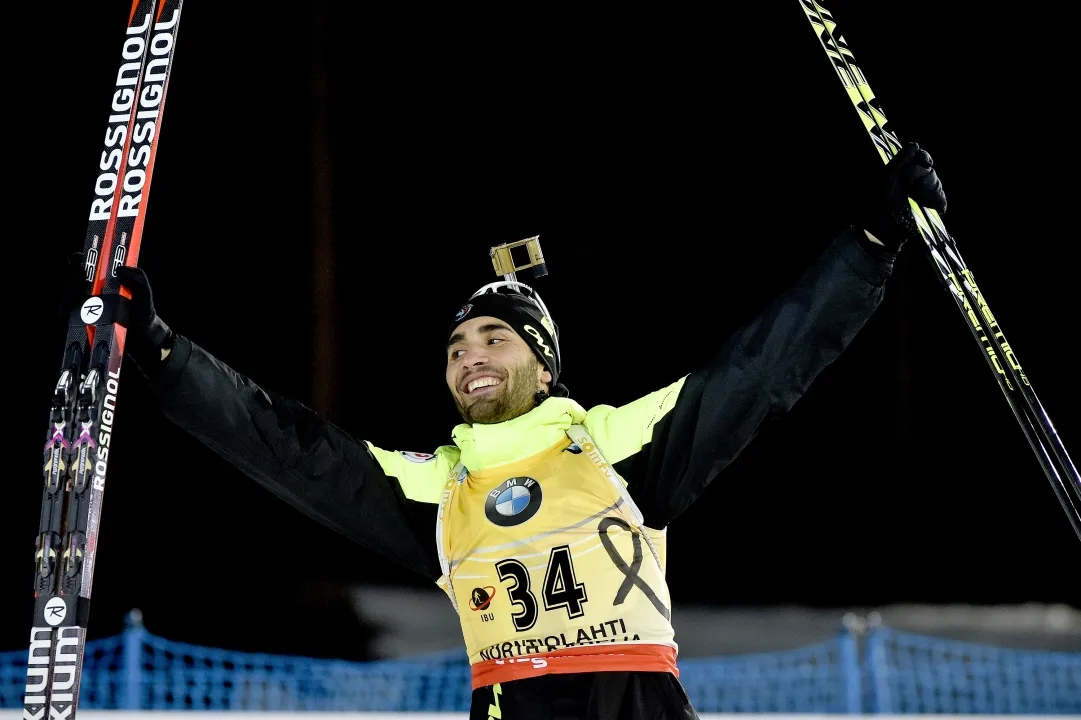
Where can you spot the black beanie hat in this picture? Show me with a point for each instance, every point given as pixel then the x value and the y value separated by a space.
pixel 527 319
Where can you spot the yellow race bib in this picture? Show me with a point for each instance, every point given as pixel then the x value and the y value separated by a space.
pixel 550 569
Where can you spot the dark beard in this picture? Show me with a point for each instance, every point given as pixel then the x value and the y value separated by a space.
pixel 517 398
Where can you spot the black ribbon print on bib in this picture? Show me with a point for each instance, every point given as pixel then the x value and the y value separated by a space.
pixel 630 572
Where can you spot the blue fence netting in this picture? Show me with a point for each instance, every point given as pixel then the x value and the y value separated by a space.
pixel 885 671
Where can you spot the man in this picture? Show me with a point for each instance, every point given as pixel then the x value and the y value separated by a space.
pixel 547 520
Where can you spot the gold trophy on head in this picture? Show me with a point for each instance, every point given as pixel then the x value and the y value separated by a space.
pixel 504 262
pixel 529 256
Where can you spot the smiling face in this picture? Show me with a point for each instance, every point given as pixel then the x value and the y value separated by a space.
pixel 491 371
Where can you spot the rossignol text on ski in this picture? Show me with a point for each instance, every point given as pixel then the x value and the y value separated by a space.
pixel 83 407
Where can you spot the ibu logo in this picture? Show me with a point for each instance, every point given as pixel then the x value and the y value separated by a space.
pixel 513 501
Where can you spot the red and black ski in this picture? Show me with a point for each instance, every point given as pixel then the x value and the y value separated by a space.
pixel 79 438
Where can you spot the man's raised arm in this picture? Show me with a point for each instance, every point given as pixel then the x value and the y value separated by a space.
pixel 286 447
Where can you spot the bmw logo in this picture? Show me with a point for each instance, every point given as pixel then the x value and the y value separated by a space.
pixel 513 501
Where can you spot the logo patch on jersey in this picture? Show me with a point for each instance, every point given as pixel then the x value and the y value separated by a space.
pixel 513 501
pixel 463 311
pixel 481 598
pixel 417 457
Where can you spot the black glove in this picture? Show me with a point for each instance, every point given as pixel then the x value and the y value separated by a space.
pixel 148 335
pixel 909 174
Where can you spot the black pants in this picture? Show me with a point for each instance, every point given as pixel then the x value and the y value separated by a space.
pixel 585 696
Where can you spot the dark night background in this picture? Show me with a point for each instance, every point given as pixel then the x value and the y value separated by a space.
pixel 329 181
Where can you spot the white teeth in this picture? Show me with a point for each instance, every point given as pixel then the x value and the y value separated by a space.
pixel 481 382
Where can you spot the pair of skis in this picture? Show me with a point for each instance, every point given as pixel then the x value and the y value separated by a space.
pixel 83 407
pixel 958 279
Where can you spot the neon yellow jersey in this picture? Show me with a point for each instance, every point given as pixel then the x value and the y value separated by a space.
pixel 589 589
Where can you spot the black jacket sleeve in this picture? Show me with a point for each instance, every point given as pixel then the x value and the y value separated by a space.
pixel 760 372
pixel 287 448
